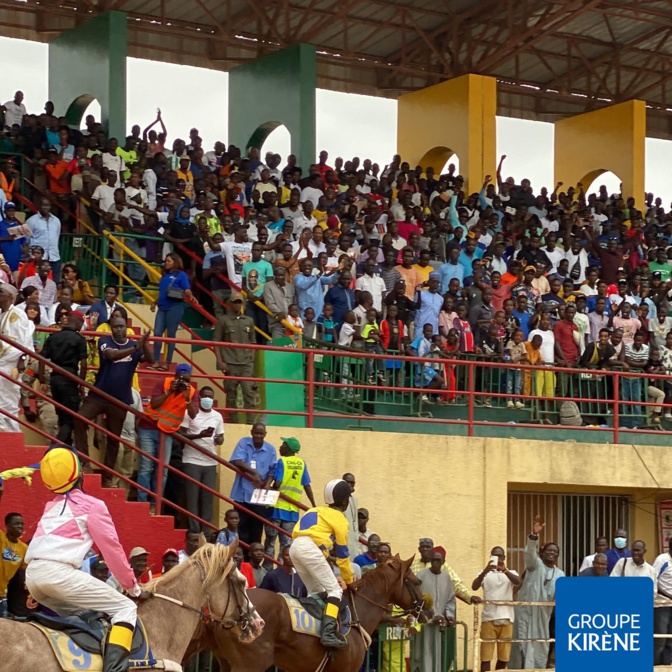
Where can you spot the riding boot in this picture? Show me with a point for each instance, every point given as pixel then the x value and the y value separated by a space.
pixel 331 636
pixel 118 648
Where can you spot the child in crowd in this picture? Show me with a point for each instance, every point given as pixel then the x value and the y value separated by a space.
pixel 309 325
pixel 294 318
pixel 515 353
pixel 392 336
pixel 348 334
pixel 373 343
pixel 326 326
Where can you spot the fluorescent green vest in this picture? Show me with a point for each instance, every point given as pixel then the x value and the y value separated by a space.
pixel 293 468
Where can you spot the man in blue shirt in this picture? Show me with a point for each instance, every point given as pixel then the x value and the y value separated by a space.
pixel 618 550
pixel 256 459
pixel 46 230
pixel 521 312
pixel 11 245
pixel 341 297
pixel 284 579
pixel 451 269
pixel 469 253
pixel 119 359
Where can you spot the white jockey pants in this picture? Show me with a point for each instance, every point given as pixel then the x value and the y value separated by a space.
pixel 64 589
pixel 313 568
pixel 10 394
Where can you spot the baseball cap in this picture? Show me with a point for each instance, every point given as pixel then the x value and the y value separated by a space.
pixel 292 443
pixel 135 552
pixel 656 274
pixel 76 313
pixel 622 281
pixel 182 369
pixel 10 206
pixel 170 551
pixel 530 268
pixel 236 296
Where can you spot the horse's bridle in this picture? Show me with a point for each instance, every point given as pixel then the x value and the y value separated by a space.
pixel 418 602
pixel 205 612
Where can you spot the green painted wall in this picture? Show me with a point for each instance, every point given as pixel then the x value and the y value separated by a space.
pixel 87 63
pixel 276 90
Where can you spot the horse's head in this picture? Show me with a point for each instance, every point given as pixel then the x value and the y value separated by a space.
pixel 407 589
pixel 221 587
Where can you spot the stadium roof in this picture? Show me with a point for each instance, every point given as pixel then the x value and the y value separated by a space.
pixel 552 58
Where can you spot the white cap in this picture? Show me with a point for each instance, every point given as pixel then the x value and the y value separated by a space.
pixel 331 487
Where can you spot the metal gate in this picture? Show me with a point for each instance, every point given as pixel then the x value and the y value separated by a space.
pixel 572 521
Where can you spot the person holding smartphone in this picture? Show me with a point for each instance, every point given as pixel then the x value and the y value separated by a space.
pixel 497 582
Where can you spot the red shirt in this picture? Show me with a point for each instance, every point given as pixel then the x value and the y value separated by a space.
pixel 564 337
pixel 58 182
pixel 407 228
pixel 246 570
pixel 500 295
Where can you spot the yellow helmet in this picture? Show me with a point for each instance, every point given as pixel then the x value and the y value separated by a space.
pixel 60 470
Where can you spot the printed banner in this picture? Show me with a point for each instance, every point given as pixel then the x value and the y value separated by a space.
pixel 603 624
pixel 665 524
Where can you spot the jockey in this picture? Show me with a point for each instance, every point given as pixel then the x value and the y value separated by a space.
pixel 318 530
pixel 70 525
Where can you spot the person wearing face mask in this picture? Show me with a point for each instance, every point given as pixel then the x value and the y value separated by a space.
pixel 206 430
pixel 619 549
pixel 541 573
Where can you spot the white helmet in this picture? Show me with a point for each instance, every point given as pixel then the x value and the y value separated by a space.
pixel 337 492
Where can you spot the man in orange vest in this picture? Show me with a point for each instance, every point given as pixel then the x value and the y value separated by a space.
pixel 7 178
pixel 170 402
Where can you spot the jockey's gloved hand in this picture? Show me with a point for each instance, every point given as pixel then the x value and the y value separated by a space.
pixel 144 595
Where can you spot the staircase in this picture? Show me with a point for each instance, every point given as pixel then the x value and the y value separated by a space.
pixel 134 524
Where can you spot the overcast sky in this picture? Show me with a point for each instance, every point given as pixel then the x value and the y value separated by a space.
pixel 370 122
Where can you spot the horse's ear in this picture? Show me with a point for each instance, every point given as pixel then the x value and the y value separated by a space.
pixel 406 564
pixel 396 557
pixel 202 541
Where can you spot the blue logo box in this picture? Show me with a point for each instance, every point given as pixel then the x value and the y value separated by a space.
pixel 604 624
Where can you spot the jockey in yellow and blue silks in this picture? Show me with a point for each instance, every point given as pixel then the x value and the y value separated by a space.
pixel 318 531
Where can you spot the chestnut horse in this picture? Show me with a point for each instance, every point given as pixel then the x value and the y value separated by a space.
pixel 278 644
pixel 207 586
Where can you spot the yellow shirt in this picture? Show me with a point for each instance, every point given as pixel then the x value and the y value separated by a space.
pixel 13 554
pixel 328 528
pixel 188 177
pixel 423 273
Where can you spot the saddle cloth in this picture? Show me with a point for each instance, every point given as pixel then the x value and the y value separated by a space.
pixel 305 615
pixel 78 641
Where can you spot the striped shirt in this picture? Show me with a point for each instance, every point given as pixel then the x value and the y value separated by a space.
pixel 640 357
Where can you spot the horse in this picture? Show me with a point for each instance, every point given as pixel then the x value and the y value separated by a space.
pixel 205 588
pixel 369 600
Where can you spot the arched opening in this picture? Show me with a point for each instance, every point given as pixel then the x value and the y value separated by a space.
pixel 439 158
pixel 271 136
pixel 81 107
pixel 598 178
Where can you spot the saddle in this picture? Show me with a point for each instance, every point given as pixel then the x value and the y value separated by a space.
pixel 78 641
pixel 306 613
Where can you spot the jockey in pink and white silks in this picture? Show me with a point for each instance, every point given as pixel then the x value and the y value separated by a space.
pixel 70 525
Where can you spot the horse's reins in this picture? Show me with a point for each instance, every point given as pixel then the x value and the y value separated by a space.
pixel 415 611
pixel 205 612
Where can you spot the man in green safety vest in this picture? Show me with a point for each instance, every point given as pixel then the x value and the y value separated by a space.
pixel 291 479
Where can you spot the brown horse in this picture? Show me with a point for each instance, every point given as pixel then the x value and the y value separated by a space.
pixel 391 583
pixel 206 587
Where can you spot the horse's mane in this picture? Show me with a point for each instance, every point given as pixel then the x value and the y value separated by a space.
pixel 379 577
pixel 215 559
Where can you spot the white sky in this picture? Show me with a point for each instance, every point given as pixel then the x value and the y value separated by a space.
pixel 370 122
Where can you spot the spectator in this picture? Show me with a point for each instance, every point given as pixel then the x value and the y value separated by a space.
pixel 598 568
pixel 278 296
pixel 171 401
pixel 636 357
pixel 341 297
pixel 14 325
pixel 619 549
pixel 255 274
pixel 227 535
pixel 46 288
pixel 206 430
pixel 46 230
pixel 138 559
pixel 13 553
pixel 541 573
pixel 174 288
pixel 256 460
pixel 66 348
pixel 369 557
pixel 245 568
pixel 119 359
pixel 601 546
pixel 636 566
pixel 498 583
pixel 662 615
pixel 14 110
pixel 191 544
pixel 291 479
pixel 169 560
pixel 72 278
pixel 284 579
pixel 101 311
pixel 256 551
pixel 11 243
pixel 364 532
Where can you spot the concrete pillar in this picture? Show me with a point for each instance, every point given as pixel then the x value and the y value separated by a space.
pixel 276 90
pixel 453 117
pixel 87 63
pixel 610 139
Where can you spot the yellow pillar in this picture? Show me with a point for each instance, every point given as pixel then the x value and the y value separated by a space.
pixel 453 117
pixel 610 139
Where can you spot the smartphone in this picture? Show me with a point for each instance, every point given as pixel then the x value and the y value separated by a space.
pixel 494 560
